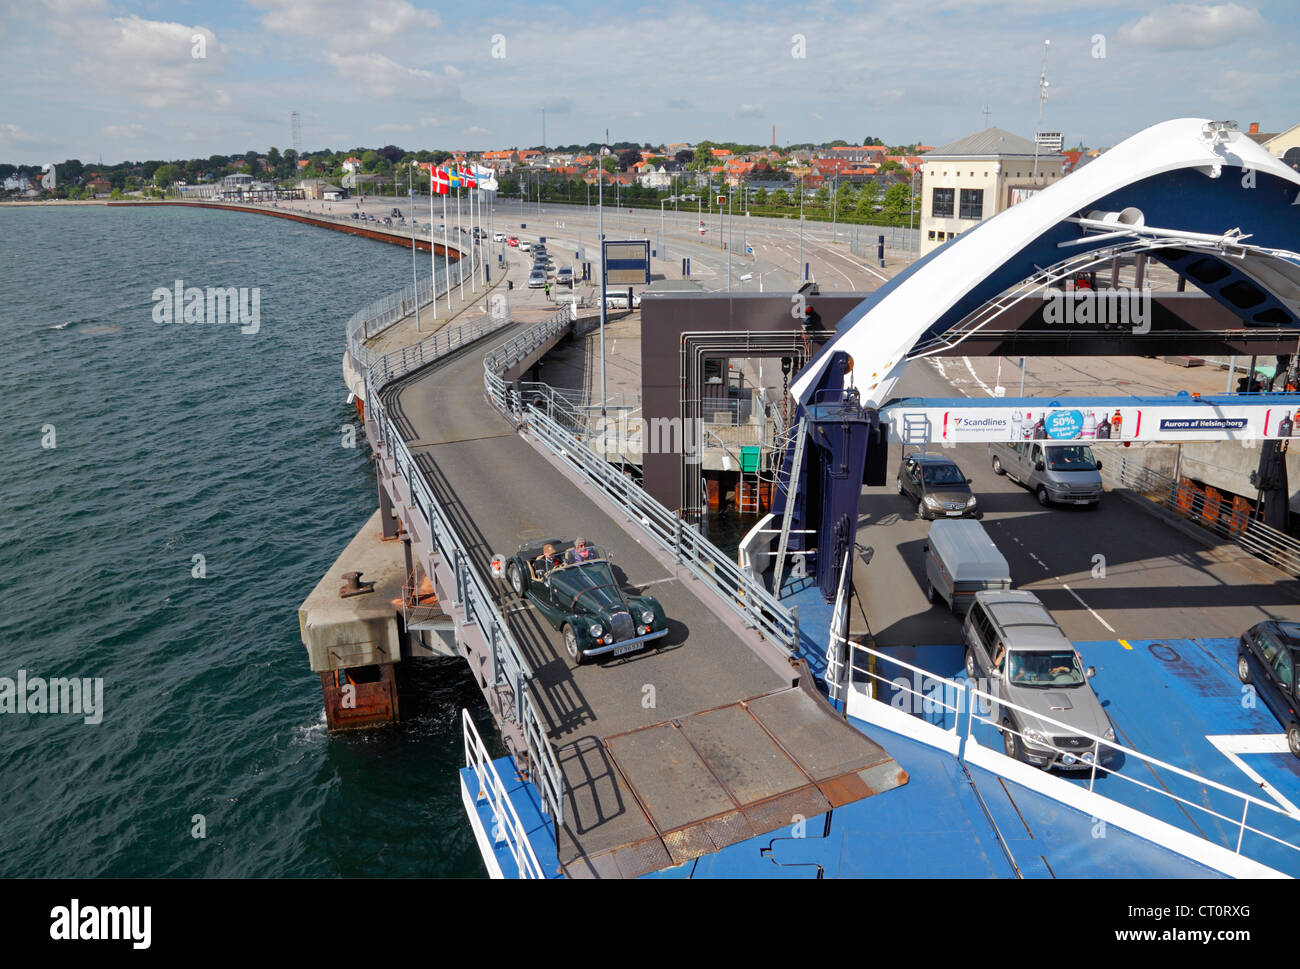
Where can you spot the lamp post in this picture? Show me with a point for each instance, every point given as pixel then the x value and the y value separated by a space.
pixel 799 272
pixel 662 238
pixel 415 278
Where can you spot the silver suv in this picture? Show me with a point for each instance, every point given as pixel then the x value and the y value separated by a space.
pixel 1013 640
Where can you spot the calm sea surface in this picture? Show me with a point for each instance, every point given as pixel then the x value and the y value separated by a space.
pixel 171 441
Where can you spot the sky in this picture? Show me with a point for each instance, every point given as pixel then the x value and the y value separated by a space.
pixel 126 80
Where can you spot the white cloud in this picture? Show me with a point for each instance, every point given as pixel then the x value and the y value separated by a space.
pixel 1183 26
pixel 378 75
pixel 749 111
pixel 12 134
pixel 354 23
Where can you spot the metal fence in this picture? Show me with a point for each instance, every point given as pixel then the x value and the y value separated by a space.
pixel 864 240
pixel 375 318
pixel 748 598
pixel 1263 541
pixel 510 829
pixel 939 697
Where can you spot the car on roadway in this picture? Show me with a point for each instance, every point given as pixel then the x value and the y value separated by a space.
pixel 524 245
pixel 572 585
pixel 1069 474
pixel 564 277
pixel 537 279
pixel 513 241
pixel 396 213
pixel 498 237
pixel 1013 642
pixel 938 487
pixel 1267 655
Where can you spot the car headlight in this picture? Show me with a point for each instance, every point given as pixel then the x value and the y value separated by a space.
pixel 1109 734
pixel 647 617
pixel 596 629
pixel 970 502
pixel 932 501
pixel 1036 737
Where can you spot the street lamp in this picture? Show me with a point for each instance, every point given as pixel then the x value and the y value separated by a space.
pixel 671 198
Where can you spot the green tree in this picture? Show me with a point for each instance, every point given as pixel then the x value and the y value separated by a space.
pixel 822 197
pixel 165 175
pixel 780 198
pixel 760 197
pixel 898 203
pixel 868 199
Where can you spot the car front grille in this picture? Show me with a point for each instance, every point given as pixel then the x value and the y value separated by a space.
pixel 1071 743
pixel 621 625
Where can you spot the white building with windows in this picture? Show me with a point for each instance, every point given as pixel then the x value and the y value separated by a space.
pixel 978 176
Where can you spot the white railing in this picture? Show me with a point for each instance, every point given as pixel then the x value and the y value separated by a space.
pixel 508 825
pixel 737 587
pixel 958 740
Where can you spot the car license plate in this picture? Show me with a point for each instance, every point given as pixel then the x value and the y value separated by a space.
pixel 1082 501
pixel 629 648
pixel 954 514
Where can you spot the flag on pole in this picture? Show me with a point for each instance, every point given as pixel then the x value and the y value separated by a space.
pixel 441 183
pixel 486 178
pixel 467 176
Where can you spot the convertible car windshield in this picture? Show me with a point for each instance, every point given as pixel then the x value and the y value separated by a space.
pixel 1046 668
pixel 589 584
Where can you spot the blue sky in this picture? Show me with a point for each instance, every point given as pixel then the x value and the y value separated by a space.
pixel 92 78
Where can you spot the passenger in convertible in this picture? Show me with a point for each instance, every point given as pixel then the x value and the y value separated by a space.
pixel 581 552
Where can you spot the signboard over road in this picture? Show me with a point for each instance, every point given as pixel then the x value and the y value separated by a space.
pixel 627 263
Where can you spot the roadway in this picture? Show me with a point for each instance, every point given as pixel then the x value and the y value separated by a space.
pixel 1157 580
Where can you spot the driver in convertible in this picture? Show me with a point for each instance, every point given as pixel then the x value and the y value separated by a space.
pixel 549 558
pixel 581 552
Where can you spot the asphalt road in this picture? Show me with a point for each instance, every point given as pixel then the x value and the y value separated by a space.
pixel 1156 582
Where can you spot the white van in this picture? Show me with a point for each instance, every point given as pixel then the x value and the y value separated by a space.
pixel 1068 473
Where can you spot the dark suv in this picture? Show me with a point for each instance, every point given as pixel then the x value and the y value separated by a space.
pixel 938 487
pixel 1266 657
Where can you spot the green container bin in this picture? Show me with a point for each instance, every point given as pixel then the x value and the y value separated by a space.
pixel 749 458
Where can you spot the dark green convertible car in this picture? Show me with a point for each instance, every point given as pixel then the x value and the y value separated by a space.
pixel 573 586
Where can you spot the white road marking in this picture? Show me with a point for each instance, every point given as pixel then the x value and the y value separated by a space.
pixel 646 585
pixel 1230 745
pixel 983 385
pixel 1088 607
pixel 1044 565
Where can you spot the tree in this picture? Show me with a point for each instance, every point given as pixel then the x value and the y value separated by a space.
pixel 822 197
pixel 780 198
pixel 273 159
pixel 609 164
pixel 872 141
pixel 868 199
pixel 685 156
pixel 628 158
pixel 252 161
pixel 68 172
pixel 760 197
pixel 898 204
pixel 165 175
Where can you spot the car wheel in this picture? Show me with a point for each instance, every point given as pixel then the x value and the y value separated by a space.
pixel 920 510
pixel 1010 741
pixel 971 672
pixel 929 591
pixel 997 465
pixel 899 483
pixel 1044 498
pixel 516 577
pixel 1243 669
pixel 1293 739
pixel 571 642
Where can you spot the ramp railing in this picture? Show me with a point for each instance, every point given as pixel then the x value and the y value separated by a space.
pixel 1228 521
pixel 737 587
pixel 510 674
pixel 508 826
pixel 930 695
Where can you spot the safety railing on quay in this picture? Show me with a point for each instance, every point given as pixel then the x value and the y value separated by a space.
pixel 510 672
pixel 968 700
pixel 1233 523
pixel 374 319
pixel 397 363
pixel 748 598
pixel 508 826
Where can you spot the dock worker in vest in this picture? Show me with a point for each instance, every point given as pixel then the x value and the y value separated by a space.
pixel 581 552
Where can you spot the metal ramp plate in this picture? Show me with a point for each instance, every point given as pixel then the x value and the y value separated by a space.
pixel 723 776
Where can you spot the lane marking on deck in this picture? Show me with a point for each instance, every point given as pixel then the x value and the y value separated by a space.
pixel 1088 607
pixel 1230 745
pixel 1124 643
pixel 646 585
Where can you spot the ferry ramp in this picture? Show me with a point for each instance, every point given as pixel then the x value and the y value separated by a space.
pixel 666 755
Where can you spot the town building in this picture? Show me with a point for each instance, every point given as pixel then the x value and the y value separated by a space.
pixel 977 176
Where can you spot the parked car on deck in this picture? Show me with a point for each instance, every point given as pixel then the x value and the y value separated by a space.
pixel 513 241
pixel 937 485
pixel 498 237
pixel 537 279
pixel 572 585
pixel 524 246
pixel 564 277
pixel 1267 656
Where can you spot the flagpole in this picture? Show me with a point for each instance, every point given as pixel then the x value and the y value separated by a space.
pixel 460 229
pixel 446 250
pixel 415 276
pixel 433 252
pixel 473 249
